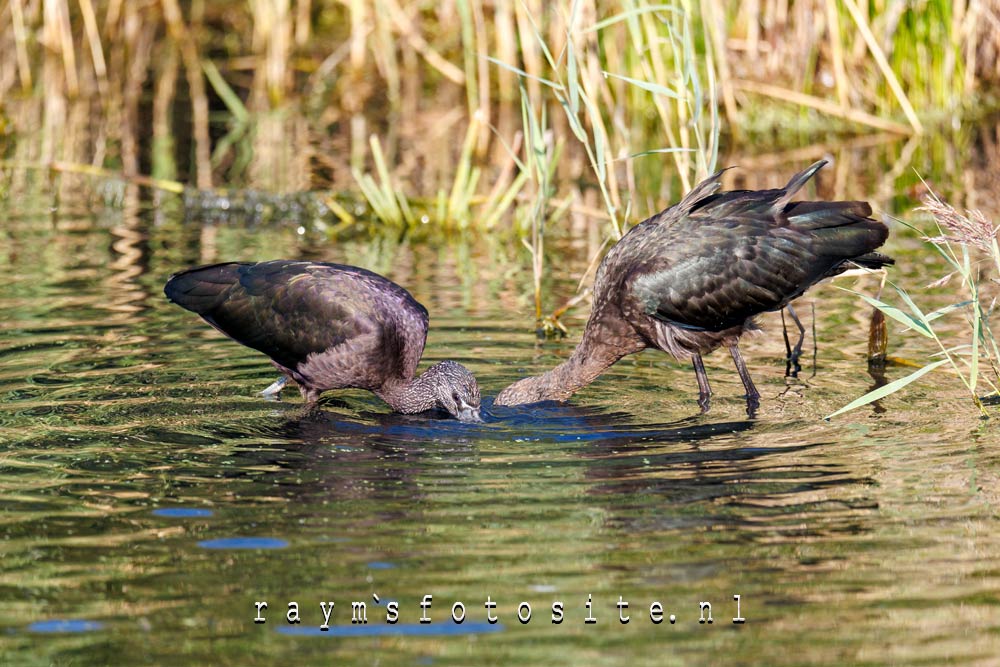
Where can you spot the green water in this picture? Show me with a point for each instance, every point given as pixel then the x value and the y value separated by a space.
pixel 149 499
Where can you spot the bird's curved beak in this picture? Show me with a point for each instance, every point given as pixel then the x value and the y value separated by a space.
pixel 467 413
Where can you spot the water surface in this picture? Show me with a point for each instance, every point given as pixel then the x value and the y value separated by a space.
pixel 151 499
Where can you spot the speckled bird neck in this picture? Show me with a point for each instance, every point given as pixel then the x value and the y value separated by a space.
pixel 410 396
pixel 446 385
pixel 599 349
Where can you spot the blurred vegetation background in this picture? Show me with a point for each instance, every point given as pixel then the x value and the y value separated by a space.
pixel 517 120
pixel 435 103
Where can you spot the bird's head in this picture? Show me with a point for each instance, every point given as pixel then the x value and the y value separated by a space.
pixel 456 390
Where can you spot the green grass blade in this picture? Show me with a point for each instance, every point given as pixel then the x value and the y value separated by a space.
pixel 953 350
pixel 468 52
pixel 225 92
pixel 977 324
pixel 375 197
pixel 888 389
pixel 940 312
pixel 597 124
pixel 405 212
pixel 919 314
pixel 658 151
pixel 574 15
pixel 974 359
pixel 946 254
pixel 897 314
pixel 380 167
pixel 624 16
pixel 510 152
pixel 649 86
pixel 497 211
pixel 463 173
pixel 573 77
pixel 441 206
pixel 521 72
pixel 574 123
pixel 539 38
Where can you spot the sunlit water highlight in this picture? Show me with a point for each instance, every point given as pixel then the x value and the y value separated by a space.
pixel 148 492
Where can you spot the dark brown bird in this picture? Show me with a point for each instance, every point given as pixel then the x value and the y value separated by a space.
pixel 691 279
pixel 328 326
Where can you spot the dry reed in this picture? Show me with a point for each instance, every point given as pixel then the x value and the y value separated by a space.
pixel 637 76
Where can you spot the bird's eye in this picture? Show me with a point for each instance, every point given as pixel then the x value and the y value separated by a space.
pixel 454 395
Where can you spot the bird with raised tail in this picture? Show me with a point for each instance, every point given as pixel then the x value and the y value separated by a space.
pixel 691 279
pixel 329 326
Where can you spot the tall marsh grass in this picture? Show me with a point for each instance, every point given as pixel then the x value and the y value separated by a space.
pixel 644 78
pixel 968 244
pixel 577 81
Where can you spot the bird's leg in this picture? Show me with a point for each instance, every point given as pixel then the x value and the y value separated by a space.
pixel 815 340
pixel 792 366
pixel 704 391
pixel 753 396
pixel 273 391
pixel 788 345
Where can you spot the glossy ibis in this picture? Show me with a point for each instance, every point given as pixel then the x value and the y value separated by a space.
pixel 328 326
pixel 691 279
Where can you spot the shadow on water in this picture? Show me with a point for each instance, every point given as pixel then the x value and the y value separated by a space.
pixel 549 422
pixel 689 461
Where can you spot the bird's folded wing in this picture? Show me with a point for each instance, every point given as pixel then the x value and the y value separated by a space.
pixel 285 311
pixel 724 279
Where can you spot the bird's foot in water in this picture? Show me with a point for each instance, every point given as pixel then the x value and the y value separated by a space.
pixel 273 391
pixel 792 354
pixel 753 404
pixel 704 402
pixel 792 366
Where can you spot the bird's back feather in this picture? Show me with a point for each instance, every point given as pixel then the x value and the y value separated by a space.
pixel 716 260
pixel 290 310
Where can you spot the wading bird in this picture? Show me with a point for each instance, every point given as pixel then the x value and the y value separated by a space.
pixel 328 326
pixel 691 278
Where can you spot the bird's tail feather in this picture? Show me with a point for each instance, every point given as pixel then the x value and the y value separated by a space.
pixel 850 240
pixel 202 289
pixel 809 215
pixel 795 184
pixel 700 192
pixel 873 260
